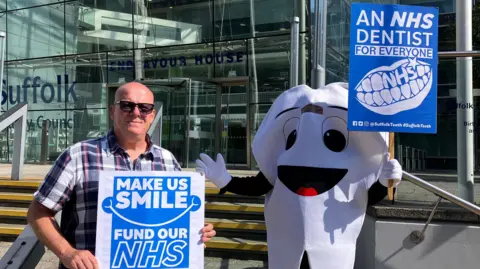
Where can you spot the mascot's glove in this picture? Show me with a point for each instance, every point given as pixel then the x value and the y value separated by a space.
pixel 391 170
pixel 214 171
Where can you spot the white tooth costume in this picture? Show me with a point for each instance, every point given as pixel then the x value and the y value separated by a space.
pixel 317 176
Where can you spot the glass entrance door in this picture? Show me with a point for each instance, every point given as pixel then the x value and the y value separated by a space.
pixel 185 118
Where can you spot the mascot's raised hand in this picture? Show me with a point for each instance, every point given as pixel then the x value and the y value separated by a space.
pixel 391 170
pixel 216 171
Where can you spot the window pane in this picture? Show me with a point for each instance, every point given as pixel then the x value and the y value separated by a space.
pixel 87 124
pixel 102 27
pixel 5 157
pixel 4 98
pixel 272 61
pixel 444 6
pixel 163 23
pixel 36 32
pixel 17 4
pixel 89 76
pixel 42 83
pixel 57 127
pixel 120 67
pixel 231 59
pixel 233 19
pixel 3 23
pixel 3 7
pixel 193 61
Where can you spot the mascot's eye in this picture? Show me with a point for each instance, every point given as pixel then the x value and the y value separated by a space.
pixel 335 134
pixel 290 132
pixel 291 139
pixel 334 140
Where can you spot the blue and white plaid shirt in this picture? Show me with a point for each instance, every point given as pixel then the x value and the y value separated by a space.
pixel 71 185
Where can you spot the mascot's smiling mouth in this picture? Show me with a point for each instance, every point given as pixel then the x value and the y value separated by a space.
pixel 309 181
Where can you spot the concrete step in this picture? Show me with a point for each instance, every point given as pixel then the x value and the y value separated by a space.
pixel 241 231
pixel 225 247
pixel 227 227
pixel 211 193
pixel 218 210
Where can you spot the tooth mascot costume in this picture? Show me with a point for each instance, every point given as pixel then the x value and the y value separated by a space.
pixel 318 178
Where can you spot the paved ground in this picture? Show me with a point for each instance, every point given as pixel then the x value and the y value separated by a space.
pixel 50 261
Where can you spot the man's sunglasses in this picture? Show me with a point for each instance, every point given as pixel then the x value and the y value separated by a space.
pixel 127 106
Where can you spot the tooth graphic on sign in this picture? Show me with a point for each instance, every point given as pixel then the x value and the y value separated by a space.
pixel 402 86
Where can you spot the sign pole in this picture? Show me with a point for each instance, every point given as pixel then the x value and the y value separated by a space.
pixel 391 149
pixel 465 150
pixel 393 79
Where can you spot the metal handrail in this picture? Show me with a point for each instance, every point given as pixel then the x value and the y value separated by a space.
pixel 17 116
pixel 454 54
pixel 444 194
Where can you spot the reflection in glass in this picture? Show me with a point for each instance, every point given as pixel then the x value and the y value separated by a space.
pixel 57 134
pixel 271 59
pixel 234 20
pixel 4 97
pixel 164 24
pixel 201 134
pixel 234 125
pixel 36 32
pixel 3 20
pixel 120 67
pixel 18 4
pixel 190 61
pixel 86 124
pixel 97 26
pixel 88 73
pixel 170 102
pixel 338 45
pixel 231 59
pixel 42 83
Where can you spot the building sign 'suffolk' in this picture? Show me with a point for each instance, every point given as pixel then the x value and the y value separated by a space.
pixel 150 220
pixel 393 68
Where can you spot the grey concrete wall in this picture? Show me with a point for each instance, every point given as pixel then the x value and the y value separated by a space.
pixel 386 245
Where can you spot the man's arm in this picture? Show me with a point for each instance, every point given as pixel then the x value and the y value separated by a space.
pixel 46 228
pixel 49 199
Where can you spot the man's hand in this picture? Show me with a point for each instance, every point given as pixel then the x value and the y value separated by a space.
pixel 208 233
pixel 79 259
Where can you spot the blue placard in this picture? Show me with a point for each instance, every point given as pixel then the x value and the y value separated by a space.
pixel 150 220
pixel 393 68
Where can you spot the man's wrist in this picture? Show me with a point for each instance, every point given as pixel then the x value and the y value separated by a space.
pixel 66 252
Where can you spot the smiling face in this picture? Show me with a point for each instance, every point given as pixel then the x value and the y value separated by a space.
pixel 132 113
pixel 304 142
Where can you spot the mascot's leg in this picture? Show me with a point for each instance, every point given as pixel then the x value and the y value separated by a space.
pixel 285 229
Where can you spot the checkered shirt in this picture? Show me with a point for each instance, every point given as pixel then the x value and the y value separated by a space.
pixel 71 185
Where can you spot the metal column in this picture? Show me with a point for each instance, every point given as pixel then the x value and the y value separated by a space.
pixel 300 8
pixel 295 37
pixel 140 10
pixel 318 45
pixel 2 56
pixel 465 149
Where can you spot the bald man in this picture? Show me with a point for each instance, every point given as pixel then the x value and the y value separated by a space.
pixel 71 184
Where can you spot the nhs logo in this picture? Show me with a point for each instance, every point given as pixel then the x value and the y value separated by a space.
pixel 150 220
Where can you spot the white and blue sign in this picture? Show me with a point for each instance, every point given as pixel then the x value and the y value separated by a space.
pixel 393 68
pixel 150 220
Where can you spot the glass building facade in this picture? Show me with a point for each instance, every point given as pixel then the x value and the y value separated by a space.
pixel 215 67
